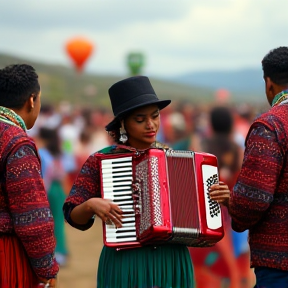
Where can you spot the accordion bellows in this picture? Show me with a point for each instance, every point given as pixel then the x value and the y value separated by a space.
pixel 164 196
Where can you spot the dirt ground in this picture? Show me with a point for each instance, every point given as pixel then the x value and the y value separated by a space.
pixel 84 248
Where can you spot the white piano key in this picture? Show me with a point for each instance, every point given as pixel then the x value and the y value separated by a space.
pixel 113 198
pixel 127 202
pixel 111 170
pixel 112 227
pixel 119 175
pixel 128 219
pixel 114 239
pixel 116 179
pixel 118 193
pixel 130 226
pixel 127 210
pixel 113 234
pixel 113 184
pixel 122 164
pixel 126 207
pixel 126 225
pixel 120 159
pixel 116 189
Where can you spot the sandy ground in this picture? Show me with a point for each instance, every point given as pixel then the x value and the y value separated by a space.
pixel 85 248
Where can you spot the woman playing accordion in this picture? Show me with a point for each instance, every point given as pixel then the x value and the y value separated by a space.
pixel 137 120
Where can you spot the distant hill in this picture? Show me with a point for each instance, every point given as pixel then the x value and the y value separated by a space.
pixel 60 83
pixel 244 84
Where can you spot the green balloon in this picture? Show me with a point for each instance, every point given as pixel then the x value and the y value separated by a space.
pixel 135 62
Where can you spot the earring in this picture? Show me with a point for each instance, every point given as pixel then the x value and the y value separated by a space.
pixel 123 135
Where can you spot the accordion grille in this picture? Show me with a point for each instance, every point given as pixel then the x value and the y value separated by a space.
pixel 185 204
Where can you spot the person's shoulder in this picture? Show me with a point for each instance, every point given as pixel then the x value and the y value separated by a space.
pixel 13 135
pixel 272 119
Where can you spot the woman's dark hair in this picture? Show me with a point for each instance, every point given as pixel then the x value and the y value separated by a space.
pixel 115 132
pixel 221 120
pixel 17 83
pixel 52 140
pixel 275 65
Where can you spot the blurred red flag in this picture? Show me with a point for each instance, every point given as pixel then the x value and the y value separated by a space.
pixel 222 95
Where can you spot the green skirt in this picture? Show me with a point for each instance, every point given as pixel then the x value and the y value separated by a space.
pixel 166 266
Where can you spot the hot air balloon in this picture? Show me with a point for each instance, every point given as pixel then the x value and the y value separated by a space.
pixel 135 61
pixel 79 49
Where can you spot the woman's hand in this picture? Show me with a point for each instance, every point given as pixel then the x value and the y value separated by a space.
pixel 108 211
pixel 220 193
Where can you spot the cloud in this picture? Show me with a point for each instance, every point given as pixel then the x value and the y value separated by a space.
pixel 87 14
pixel 175 35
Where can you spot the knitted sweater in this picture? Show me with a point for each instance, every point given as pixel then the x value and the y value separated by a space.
pixel 259 200
pixel 24 208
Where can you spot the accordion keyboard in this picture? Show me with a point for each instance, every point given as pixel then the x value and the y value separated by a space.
pixel 117 186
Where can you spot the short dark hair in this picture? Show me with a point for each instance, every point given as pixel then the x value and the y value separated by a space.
pixel 17 83
pixel 275 65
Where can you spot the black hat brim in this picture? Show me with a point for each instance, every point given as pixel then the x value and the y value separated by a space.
pixel 114 124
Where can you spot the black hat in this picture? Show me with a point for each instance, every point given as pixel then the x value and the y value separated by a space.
pixel 131 93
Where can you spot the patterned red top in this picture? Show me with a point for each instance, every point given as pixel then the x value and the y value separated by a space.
pixel 24 208
pixel 259 199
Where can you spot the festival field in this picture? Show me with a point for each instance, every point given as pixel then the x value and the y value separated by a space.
pixel 85 248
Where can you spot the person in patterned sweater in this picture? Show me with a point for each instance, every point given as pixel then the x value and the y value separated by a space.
pixel 259 200
pixel 27 240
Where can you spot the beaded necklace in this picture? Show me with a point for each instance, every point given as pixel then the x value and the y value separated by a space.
pixel 9 116
pixel 280 97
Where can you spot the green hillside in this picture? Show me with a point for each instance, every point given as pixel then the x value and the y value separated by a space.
pixel 61 83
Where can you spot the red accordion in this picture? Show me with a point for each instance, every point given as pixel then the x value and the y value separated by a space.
pixel 164 197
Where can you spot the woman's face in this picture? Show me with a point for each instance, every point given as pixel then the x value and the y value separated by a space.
pixel 142 126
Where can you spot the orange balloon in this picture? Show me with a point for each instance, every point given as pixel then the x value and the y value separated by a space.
pixel 79 50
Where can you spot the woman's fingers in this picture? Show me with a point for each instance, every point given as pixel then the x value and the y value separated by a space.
pixel 116 220
pixel 220 193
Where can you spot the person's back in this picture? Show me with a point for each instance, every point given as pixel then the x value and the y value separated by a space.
pixel 271 250
pixel 259 198
pixel 26 224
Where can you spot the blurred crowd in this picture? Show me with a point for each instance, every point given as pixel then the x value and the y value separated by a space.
pixel 66 135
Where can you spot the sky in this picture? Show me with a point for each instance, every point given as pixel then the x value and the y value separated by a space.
pixel 176 36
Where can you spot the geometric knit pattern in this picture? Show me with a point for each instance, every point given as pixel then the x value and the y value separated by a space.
pixel 259 201
pixel 24 207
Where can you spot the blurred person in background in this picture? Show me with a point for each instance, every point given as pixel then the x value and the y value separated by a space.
pixel 259 199
pixel 137 120
pixel 27 240
pixel 56 184
pixel 219 263
pixel 68 133
pixel 176 129
pixel 190 138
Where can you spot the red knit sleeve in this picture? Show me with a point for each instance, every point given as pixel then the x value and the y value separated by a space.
pixel 86 186
pixel 256 183
pixel 29 208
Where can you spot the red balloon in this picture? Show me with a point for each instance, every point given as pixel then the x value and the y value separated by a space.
pixel 79 50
